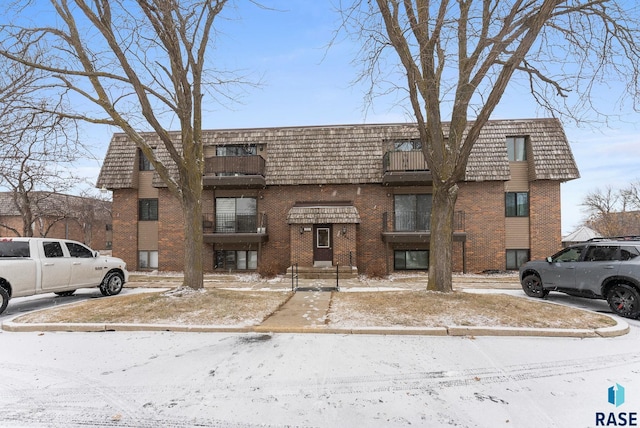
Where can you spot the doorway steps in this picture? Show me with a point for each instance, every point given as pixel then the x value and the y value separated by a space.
pixel 325 272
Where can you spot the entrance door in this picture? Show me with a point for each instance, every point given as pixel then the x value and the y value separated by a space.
pixel 322 245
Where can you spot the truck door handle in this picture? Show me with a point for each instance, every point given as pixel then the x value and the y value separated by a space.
pixel 48 264
pixel 76 263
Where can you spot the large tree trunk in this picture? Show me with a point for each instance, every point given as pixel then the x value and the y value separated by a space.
pixel 193 255
pixel 441 244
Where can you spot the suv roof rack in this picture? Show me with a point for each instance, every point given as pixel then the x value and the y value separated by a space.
pixel 616 238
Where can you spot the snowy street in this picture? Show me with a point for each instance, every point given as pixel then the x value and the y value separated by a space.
pixel 143 379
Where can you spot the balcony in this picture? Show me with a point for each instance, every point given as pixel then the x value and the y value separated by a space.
pixel 414 227
pixel 405 168
pixel 234 172
pixel 234 228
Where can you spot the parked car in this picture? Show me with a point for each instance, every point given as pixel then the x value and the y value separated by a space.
pixel 30 266
pixel 603 268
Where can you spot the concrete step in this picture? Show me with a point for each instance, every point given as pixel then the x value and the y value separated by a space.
pixel 328 272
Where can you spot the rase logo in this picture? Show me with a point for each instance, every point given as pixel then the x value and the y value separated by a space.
pixel 615 396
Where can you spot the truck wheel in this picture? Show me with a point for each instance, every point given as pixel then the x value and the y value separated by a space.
pixel 4 299
pixel 624 300
pixel 111 284
pixel 532 286
pixel 65 293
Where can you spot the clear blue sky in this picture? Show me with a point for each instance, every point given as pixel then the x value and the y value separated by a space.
pixel 304 83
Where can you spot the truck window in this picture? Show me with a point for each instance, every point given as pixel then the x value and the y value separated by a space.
pixel 14 249
pixel 77 250
pixel 52 249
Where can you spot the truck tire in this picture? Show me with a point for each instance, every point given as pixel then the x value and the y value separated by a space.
pixel 4 299
pixel 112 284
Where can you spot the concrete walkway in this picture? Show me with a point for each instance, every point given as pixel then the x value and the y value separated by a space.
pixel 305 309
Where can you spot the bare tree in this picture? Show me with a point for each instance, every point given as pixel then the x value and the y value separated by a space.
pixel 614 212
pixel 457 58
pixel 39 146
pixel 142 63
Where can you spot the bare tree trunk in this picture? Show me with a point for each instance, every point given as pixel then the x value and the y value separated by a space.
pixel 193 242
pixel 441 243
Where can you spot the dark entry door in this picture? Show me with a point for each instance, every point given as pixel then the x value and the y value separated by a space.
pixel 323 243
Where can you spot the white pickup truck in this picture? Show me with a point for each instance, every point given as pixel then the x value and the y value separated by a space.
pixel 30 266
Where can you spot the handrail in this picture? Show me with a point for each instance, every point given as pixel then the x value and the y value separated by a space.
pixel 294 276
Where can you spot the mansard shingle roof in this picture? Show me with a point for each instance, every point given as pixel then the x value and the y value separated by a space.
pixel 354 153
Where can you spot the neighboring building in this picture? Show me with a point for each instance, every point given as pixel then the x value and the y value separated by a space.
pixel 357 195
pixel 581 234
pixel 56 215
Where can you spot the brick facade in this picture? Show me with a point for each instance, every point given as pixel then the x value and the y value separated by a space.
pixel 345 166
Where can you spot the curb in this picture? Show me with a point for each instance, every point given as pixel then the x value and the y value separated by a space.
pixel 620 329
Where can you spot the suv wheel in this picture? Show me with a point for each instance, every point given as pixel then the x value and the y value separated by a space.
pixel 532 286
pixel 624 300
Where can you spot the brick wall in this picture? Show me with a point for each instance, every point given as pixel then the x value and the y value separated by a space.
pixel 483 206
pixel 170 232
pixel 125 226
pixel 545 218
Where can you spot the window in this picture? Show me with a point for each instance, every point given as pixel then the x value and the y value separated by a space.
pixel 517 204
pixel 516 258
pixel 407 145
pixel 143 162
pixel 323 239
pixel 235 215
pixel 601 253
pixel 236 260
pixel 148 210
pixel 237 150
pixel 77 250
pixel 148 259
pixel 516 149
pixel 571 254
pixel 411 259
pixel 412 212
pixel 52 249
pixel 628 252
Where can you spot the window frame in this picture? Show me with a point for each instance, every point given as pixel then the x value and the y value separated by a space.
pixel 404 267
pixel 149 259
pixel 512 208
pixel 518 261
pixel 516 148
pixel 148 209
pixel 143 163
pixel 419 224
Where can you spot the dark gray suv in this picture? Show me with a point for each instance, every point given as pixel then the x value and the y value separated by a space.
pixel 598 269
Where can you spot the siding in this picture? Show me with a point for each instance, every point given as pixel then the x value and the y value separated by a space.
pixel 517 233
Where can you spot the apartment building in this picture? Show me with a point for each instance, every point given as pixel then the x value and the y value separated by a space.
pixel 350 195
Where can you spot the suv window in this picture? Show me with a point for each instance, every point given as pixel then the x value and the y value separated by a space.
pixel 571 254
pixel 628 252
pixel 601 253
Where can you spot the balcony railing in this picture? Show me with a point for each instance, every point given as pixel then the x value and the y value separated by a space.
pixel 413 221
pixel 234 223
pixel 403 161
pixel 231 165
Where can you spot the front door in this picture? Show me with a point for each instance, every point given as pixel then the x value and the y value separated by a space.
pixel 322 245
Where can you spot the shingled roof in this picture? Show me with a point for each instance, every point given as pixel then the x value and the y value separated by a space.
pixel 354 153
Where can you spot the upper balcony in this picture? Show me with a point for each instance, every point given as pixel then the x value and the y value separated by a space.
pixel 232 172
pixel 405 168
pixel 414 227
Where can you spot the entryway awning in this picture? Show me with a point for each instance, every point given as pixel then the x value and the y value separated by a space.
pixel 323 214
